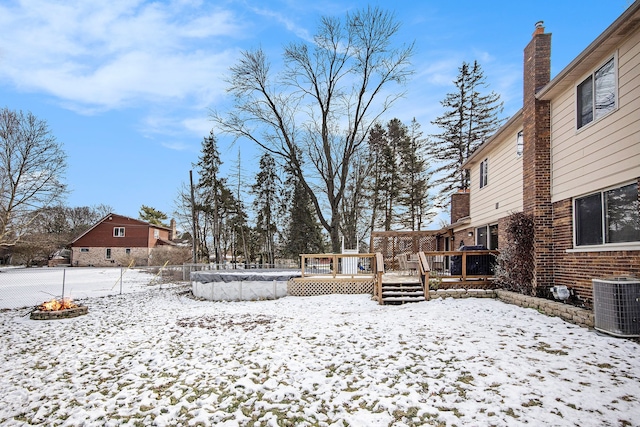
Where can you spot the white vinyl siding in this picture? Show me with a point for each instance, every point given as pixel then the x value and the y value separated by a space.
pixel 504 194
pixel 484 173
pixel 605 153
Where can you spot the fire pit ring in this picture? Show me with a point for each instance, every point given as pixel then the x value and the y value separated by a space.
pixel 59 314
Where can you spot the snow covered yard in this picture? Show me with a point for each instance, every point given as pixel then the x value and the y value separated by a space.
pixel 159 357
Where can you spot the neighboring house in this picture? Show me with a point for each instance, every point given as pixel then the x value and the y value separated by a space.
pixel 117 240
pixel 571 158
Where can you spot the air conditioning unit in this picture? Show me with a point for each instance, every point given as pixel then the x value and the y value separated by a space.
pixel 617 306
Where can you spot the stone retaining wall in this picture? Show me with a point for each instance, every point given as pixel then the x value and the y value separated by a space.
pixel 567 312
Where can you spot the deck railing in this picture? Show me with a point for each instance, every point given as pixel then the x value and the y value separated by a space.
pixel 461 268
pixel 349 265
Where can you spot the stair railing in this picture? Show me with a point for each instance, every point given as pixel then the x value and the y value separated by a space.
pixel 379 272
pixel 423 272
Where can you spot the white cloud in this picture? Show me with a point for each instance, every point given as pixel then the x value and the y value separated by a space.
pixel 100 56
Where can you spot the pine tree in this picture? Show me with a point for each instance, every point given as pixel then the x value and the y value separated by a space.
pixel 415 198
pixel 386 184
pixel 152 215
pixel 303 233
pixel 469 119
pixel 377 143
pixel 267 193
pixel 210 189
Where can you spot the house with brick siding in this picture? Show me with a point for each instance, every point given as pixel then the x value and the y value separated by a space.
pixel 118 240
pixel 571 158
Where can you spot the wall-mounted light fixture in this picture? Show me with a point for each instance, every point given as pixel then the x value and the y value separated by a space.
pixel 470 234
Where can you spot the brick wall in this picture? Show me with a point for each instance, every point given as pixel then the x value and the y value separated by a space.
pixel 537 156
pixel 576 269
pixel 459 205
pixel 461 236
pixel 96 257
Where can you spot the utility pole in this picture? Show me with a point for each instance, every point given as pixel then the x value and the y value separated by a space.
pixel 194 244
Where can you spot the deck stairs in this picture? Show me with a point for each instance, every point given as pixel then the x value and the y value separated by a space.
pixel 401 289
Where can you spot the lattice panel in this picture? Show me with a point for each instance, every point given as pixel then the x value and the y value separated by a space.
pixel 392 244
pixel 306 288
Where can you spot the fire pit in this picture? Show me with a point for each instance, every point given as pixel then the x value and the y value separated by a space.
pixel 58 309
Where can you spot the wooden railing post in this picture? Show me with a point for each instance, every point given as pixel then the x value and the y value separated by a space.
pixel 464 266
pixel 424 270
pixel 379 260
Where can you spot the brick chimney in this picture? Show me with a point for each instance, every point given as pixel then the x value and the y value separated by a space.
pixel 459 205
pixel 172 233
pixel 537 153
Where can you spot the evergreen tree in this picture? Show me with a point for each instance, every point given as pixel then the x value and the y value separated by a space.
pixel 377 143
pixel 210 188
pixel 303 233
pixel 267 193
pixel 152 216
pixel 469 119
pixel 415 196
pixel 388 185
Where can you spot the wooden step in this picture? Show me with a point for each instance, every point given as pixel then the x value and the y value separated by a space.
pixel 400 293
pixel 409 288
pixel 402 299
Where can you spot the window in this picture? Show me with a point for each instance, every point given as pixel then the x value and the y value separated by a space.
pixel 127 251
pixel 156 233
pixel 519 144
pixel 493 237
pixel 118 231
pixel 484 172
pixel 481 236
pixel 487 236
pixel 108 254
pixel 597 94
pixel 609 216
pixel 84 249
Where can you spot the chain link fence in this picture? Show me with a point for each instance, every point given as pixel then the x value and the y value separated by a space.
pixel 28 287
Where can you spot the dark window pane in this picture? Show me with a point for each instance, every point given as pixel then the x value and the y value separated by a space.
pixel 605 88
pixel 493 237
pixel 623 222
pixel 589 220
pixel 481 236
pixel 585 102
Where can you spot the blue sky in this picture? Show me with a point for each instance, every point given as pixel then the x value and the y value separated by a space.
pixel 127 86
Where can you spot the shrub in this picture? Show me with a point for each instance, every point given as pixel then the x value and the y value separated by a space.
pixel 174 255
pixel 515 266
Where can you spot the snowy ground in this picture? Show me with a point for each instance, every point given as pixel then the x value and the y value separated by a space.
pixel 160 357
pixel 28 287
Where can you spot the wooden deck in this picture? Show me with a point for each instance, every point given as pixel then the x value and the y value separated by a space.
pixel 348 273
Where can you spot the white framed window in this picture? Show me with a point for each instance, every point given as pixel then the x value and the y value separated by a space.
pixel 108 253
pixel 84 249
pixel 118 231
pixel 607 217
pixel 597 94
pixel 519 144
pixel 156 233
pixel 484 173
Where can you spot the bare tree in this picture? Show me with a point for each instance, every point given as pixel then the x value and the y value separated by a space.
pixel 32 165
pixel 319 110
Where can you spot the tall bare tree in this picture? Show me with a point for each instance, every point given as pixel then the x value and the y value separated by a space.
pixel 319 109
pixel 32 166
